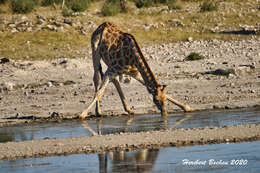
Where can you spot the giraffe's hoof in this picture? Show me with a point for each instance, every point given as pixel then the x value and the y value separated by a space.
pixel 83 115
pixel 99 114
pixel 130 112
pixel 189 109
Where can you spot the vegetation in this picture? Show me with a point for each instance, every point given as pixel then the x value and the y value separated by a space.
pixel 78 5
pixel 143 3
pixel 174 5
pixel 194 56
pixel 3 1
pixel 208 6
pixel 66 12
pixel 50 2
pixel 163 26
pixel 111 8
pixel 23 6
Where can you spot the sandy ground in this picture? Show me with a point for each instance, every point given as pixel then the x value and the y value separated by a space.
pixel 128 141
pixel 229 77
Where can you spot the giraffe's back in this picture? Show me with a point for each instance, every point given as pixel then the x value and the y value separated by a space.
pixel 117 49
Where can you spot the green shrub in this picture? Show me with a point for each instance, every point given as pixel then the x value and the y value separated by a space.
pixel 192 0
pixel 173 5
pixel 78 5
pixel 194 56
pixel 111 8
pixel 50 2
pixel 67 12
pixel 3 1
pixel 144 3
pixel 23 6
pixel 149 3
pixel 208 6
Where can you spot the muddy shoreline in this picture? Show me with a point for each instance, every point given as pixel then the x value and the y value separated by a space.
pixel 129 141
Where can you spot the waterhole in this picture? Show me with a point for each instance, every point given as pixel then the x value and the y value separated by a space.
pixel 136 123
pixel 223 158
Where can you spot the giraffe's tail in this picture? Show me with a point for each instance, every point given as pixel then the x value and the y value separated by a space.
pixel 101 72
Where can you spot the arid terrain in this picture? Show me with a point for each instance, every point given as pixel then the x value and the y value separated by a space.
pixel 46 73
pixel 60 89
pixel 229 77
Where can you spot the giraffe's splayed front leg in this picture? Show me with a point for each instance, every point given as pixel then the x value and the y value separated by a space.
pixel 184 107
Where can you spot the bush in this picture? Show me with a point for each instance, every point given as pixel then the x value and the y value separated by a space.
pixel 194 56
pixel 23 6
pixel 143 3
pixel 149 3
pixel 50 2
pixel 111 8
pixel 173 5
pixel 67 12
pixel 208 6
pixel 78 5
pixel 3 1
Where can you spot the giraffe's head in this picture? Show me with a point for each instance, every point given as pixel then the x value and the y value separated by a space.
pixel 159 98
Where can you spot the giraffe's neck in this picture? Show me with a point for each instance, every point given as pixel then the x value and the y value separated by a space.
pixel 147 75
pixel 145 70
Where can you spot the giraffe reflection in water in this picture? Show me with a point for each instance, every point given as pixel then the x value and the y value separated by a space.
pixel 141 160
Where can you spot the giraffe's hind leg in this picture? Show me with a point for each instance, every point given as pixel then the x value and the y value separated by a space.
pixel 97 97
pixel 122 97
pixel 97 79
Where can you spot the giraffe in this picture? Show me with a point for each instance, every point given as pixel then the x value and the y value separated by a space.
pixel 121 53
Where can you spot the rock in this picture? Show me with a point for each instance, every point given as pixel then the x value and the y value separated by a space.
pixel 222 72
pixel 12 25
pixel 176 23
pixel 14 30
pixel 216 107
pixel 23 19
pixel 76 24
pixel 4 60
pixel 51 27
pixel 190 39
pixel 68 21
pixel 60 29
pixel 10 86
pixel 55 115
pixel 49 84
pixel 243 70
pixel 40 20
pixel 63 62
pixel 29 29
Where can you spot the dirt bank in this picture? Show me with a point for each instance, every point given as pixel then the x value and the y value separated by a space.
pixel 228 77
pixel 178 137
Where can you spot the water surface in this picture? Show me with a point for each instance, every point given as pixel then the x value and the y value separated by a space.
pixel 136 123
pixel 165 160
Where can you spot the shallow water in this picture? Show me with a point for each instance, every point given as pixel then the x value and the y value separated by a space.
pixel 135 124
pixel 170 159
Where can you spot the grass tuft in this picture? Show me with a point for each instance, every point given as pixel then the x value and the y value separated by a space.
pixel 194 57
pixel 208 6
pixel 111 8
pixel 23 6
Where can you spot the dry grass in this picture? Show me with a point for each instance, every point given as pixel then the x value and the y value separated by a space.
pixel 42 45
pixel 49 44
